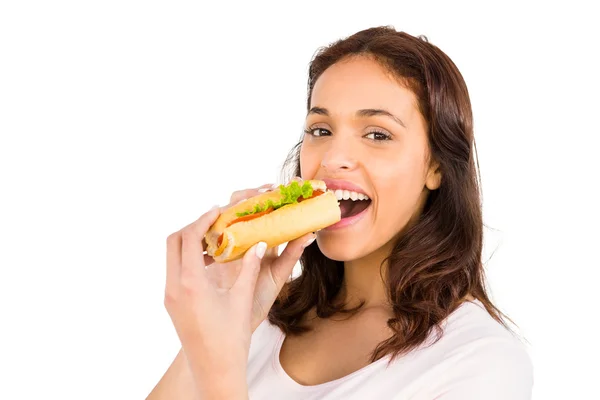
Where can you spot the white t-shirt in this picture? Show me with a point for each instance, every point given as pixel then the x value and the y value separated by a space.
pixel 476 358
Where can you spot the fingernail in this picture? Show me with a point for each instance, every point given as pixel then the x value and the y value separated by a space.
pixel 275 186
pixel 309 242
pixel 260 250
pixel 214 208
pixel 263 190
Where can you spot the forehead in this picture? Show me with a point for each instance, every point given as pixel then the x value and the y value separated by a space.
pixel 360 83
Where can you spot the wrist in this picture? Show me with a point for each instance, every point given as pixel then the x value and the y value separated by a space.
pixel 228 386
pixel 219 378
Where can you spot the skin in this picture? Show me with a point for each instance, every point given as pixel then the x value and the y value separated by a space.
pixel 211 312
pixel 215 306
pixel 397 173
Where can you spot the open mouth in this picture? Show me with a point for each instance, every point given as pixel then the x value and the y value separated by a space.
pixel 351 203
pixel 351 208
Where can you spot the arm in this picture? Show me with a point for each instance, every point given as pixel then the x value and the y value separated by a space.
pixel 215 323
pixel 176 383
pixel 179 383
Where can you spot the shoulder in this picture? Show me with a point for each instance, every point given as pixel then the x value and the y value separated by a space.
pixel 483 358
pixel 472 321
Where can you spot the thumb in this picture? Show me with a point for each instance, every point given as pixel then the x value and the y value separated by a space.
pixel 246 281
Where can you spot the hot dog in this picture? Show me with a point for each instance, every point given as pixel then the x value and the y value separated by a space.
pixel 275 217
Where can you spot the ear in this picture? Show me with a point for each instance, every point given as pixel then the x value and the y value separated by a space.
pixel 434 176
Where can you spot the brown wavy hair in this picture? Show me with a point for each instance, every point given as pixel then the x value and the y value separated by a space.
pixel 438 261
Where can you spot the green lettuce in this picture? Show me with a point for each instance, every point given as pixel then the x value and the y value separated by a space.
pixel 291 193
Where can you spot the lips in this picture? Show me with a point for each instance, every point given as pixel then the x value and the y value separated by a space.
pixel 337 184
pixel 353 199
pixel 349 219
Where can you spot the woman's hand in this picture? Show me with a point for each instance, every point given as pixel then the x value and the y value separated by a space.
pixel 216 307
pixel 274 270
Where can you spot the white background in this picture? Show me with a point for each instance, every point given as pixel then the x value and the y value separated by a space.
pixel 123 121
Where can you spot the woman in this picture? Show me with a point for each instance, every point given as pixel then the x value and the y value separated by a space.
pixel 391 303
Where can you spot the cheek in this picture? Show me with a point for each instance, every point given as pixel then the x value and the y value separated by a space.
pixel 309 162
pixel 393 173
pixel 399 183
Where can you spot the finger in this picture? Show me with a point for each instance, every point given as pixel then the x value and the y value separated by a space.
pixel 192 250
pixel 223 275
pixel 246 281
pixel 272 252
pixel 241 195
pixel 268 188
pixel 173 259
pixel 282 267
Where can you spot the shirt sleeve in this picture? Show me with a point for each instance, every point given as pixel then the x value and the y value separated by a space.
pixel 498 371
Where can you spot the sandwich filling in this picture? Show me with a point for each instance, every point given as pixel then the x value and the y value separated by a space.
pixel 291 194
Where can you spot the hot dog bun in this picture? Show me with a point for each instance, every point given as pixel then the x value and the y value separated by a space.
pixel 277 227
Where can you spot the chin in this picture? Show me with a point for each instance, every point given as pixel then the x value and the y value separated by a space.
pixel 351 246
pixel 339 250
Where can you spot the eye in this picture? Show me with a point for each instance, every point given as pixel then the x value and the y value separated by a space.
pixel 378 136
pixel 317 132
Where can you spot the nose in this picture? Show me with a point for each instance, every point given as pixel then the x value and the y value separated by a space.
pixel 338 157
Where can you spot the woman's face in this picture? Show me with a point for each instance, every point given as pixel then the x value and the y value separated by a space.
pixel 364 132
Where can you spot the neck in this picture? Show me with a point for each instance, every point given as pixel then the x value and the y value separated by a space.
pixel 364 278
pixel 364 281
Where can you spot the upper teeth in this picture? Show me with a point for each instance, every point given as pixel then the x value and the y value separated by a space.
pixel 349 195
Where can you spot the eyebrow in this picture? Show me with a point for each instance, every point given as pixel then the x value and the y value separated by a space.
pixel 368 112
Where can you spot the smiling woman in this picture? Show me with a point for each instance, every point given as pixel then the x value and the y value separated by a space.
pixel 391 302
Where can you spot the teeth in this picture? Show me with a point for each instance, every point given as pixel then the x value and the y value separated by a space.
pixel 349 195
